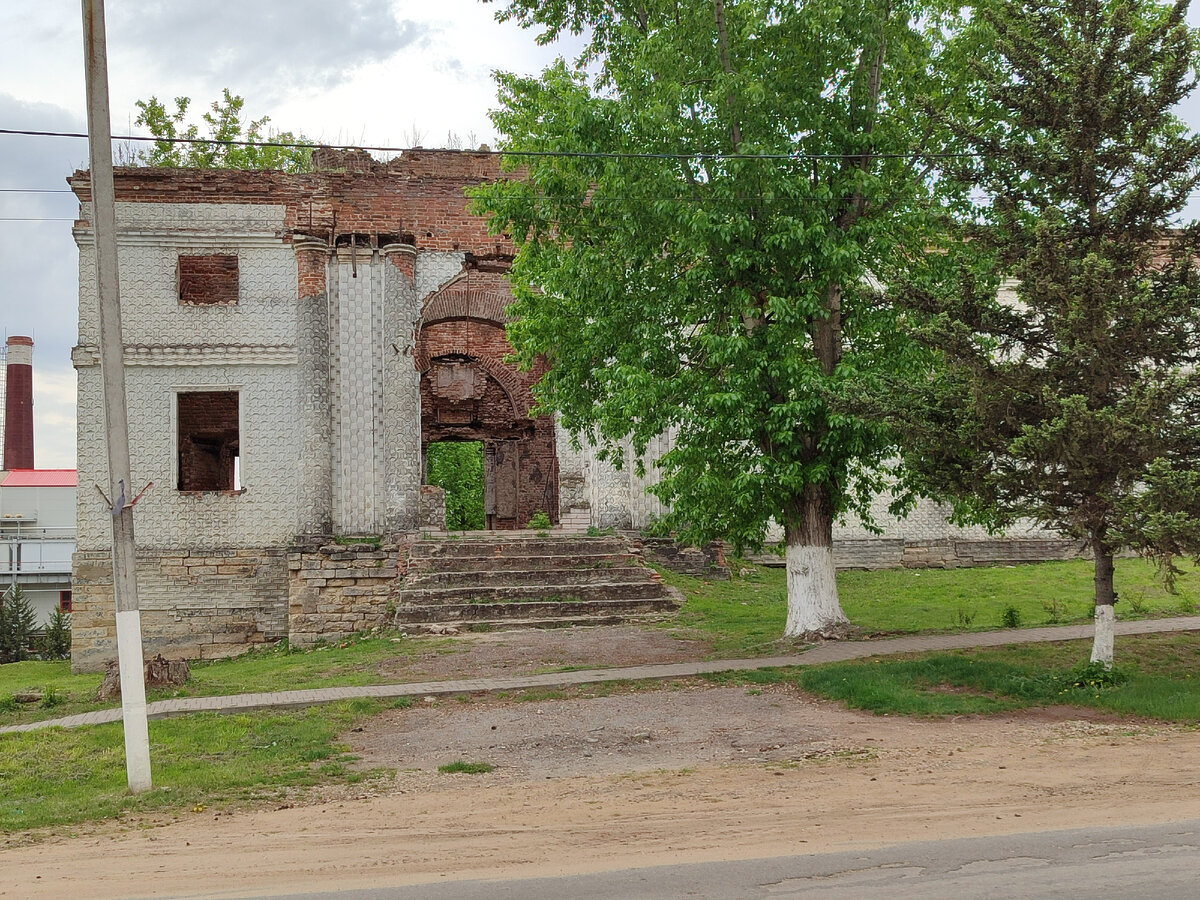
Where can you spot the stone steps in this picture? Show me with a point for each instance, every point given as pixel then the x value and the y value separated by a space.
pixel 490 580
pixel 462 592
pixel 516 543
pixel 541 561
pixel 558 575
pixel 530 610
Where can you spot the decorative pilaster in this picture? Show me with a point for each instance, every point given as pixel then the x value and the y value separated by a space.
pixel 401 391
pixel 314 495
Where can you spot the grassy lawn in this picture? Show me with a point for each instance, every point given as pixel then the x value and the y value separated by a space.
pixel 1159 679
pixel 351 662
pixel 200 761
pixel 745 616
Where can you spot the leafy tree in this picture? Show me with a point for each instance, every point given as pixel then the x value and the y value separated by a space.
pixel 457 468
pixel 224 123
pixel 723 290
pixel 1072 330
pixel 17 624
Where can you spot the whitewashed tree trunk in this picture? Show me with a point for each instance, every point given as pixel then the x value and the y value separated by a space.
pixel 813 607
pixel 1102 641
pixel 1106 619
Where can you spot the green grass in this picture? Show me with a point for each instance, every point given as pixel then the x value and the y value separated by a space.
pixel 461 766
pixel 62 777
pixel 746 615
pixel 1160 679
pixel 352 662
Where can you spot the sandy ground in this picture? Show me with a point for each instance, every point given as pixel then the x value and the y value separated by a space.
pixel 637 779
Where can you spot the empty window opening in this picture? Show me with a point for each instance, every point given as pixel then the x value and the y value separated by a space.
pixel 208 280
pixel 457 468
pixel 209 441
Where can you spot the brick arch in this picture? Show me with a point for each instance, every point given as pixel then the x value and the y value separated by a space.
pixel 518 394
pixel 457 301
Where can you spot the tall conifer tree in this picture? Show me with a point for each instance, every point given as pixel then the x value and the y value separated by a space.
pixel 1072 330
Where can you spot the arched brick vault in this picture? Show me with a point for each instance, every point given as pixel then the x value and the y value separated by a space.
pixel 518 394
pixel 463 324
pixel 482 304
pixel 466 317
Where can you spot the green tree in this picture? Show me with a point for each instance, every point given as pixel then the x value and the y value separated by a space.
pixel 1072 393
pixel 724 291
pixel 457 468
pixel 180 145
pixel 56 641
pixel 17 624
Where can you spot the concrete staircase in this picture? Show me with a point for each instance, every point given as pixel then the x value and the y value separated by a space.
pixel 519 580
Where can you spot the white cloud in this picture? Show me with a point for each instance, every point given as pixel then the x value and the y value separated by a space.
pixel 262 48
pixel 53 413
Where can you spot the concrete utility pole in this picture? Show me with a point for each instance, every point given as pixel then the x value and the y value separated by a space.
pixel 116 425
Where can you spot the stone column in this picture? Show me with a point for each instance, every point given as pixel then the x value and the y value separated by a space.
pixel 314 497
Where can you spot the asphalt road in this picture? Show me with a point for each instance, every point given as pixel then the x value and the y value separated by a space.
pixel 1160 862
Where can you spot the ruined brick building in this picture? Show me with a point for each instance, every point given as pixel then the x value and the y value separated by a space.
pixel 293 344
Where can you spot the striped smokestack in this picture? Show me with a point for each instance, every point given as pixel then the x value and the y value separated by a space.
pixel 18 406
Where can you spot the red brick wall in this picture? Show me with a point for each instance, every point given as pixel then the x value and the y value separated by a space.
pixel 310 272
pixel 416 198
pixel 208 280
pixel 208 439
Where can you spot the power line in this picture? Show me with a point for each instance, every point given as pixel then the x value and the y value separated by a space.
pixel 36 191
pixel 571 154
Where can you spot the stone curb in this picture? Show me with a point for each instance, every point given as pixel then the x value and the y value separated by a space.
pixel 821 653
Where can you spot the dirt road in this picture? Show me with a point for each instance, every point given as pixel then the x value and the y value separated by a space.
pixel 691 774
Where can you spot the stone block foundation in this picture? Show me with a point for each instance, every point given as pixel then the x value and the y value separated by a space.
pixel 195 604
pixel 336 590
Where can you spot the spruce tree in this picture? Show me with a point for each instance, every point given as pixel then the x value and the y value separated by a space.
pixel 17 623
pixel 1071 328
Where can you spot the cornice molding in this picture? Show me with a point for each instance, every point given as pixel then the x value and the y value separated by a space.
pixel 87 355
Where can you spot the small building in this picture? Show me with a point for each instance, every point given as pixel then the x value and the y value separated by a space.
pixel 37 536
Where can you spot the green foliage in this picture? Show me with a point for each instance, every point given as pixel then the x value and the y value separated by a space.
pixel 349 540
pixel 999 679
pixel 1094 676
pixel 721 298
pixel 1056 609
pixel 56 640
pixel 179 145
pixel 1074 400
pixel 457 468
pixel 17 624
pixel 460 766
pixel 1011 617
pixel 539 521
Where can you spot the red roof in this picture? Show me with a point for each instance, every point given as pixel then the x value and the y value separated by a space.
pixel 40 478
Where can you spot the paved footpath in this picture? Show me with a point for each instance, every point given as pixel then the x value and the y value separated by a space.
pixel 833 651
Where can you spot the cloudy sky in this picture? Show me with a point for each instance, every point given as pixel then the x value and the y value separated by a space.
pixel 355 71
